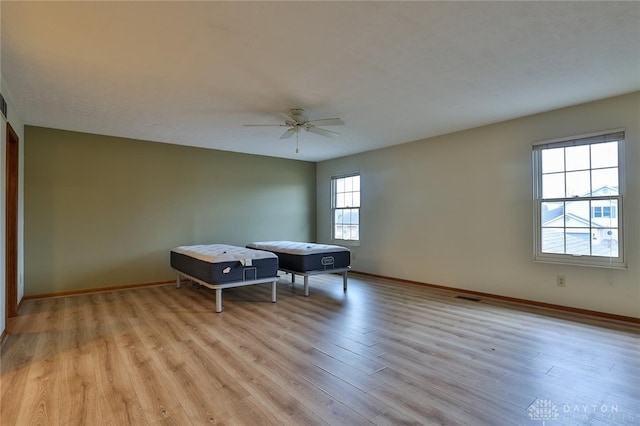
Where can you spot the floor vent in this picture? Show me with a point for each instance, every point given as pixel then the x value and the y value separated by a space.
pixel 473 299
pixel 3 106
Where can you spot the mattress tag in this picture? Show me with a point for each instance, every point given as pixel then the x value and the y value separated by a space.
pixel 248 262
pixel 226 270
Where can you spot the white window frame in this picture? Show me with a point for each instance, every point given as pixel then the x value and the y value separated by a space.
pixel 572 259
pixel 334 180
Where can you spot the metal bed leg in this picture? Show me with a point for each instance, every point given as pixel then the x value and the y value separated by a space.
pixel 179 280
pixel 273 291
pixel 306 285
pixel 344 280
pixel 218 300
pixel 293 278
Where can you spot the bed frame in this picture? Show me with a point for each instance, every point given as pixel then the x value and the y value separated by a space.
pixel 292 255
pixel 219 287
pixel 307 274
pixel 213 270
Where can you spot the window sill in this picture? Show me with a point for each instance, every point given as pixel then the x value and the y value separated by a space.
pixel 347 243
pixel 580 261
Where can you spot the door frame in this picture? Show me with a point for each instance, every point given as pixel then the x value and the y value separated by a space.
pixel 11 222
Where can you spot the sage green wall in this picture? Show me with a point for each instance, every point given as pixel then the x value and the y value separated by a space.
pixel 104 211
pixel 457 210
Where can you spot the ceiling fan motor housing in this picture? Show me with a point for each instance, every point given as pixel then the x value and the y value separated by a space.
pixel 298 115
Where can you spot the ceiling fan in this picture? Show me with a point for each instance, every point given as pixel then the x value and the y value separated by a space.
pixel 296 121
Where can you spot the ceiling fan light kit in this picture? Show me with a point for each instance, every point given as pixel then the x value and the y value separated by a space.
pixel 296 121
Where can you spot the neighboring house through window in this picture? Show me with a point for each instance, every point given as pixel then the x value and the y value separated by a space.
pixel 578 192
pixel 345 205
pixel 604 211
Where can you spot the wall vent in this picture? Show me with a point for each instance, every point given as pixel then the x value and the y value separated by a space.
pixel 3 106
pixel 473 299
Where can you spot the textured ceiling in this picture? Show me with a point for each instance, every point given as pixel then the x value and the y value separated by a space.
pixel 193 73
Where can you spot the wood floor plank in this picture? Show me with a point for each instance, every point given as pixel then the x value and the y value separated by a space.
pixel 248 411
pixel 289 377
pixel 187 370
pixel 20 351
pixel 216 348
pixel 39 404
pixel 385 352
pixel 120 403
pixel 77 393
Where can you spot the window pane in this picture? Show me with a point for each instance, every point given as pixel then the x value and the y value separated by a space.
pixel 607 213
pixel 551 214
pixel 338 232
pixel 340 201
pixel 348 199
pixel 605 181
pixel 348 184
pixel 578 241
pixel 354 232
pixel 356 183
pixel 605 242
pixel 338 217
pixel 552 240
pixel 552 160
pixel 339 185
pixel 553 185
pixel 355 216
pixel 577 215
pixel 578 184
pixel 577 157
pixel 604 155
pixel 346 215
pixel 356 199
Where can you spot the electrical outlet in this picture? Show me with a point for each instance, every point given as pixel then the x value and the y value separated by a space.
pixel 562 281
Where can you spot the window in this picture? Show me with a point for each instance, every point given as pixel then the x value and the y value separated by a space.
pixel 578 192
pixel 604 211
pixel 345 194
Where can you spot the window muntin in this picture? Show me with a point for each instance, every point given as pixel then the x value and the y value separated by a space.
pixel 346 207
pixel 578 200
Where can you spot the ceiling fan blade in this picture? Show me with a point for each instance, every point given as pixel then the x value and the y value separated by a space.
pixel 328 122
pixel 287 118
pixel 288 133
pixel 323 132
pixel 264 125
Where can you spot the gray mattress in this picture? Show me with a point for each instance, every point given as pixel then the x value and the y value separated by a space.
pixel 221 264
pixel 306 257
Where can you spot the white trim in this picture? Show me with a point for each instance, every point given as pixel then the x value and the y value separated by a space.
pixel 347 243
pixel 346 175
pixel 333 208
pixel 576 137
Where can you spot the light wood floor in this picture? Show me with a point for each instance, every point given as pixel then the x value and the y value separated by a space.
pixel 383 353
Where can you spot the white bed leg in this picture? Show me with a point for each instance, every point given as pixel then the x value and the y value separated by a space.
pixel 218 300
pixel 306 285
pixel 273 292
pixel 344 280
pixel 178 280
